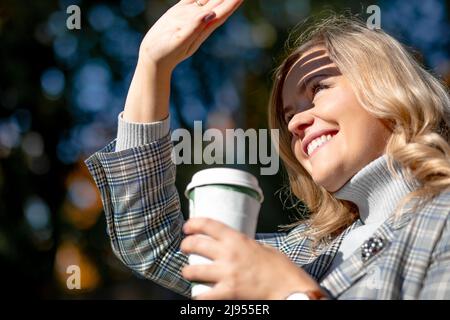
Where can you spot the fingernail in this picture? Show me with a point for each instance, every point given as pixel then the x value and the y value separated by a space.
pixel 209 17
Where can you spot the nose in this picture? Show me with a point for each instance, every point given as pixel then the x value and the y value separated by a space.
pixel 299 123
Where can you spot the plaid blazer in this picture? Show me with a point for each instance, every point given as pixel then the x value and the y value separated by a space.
pixel 144 223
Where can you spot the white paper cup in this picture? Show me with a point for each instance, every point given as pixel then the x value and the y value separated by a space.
pixel 230 196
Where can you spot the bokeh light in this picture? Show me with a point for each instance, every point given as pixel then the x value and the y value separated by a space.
pixel 69 253
pixel 37 213
pixel 52 82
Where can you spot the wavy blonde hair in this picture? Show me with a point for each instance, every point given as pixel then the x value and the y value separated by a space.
pixel 391 86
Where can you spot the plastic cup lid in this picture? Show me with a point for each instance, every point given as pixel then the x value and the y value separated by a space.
pixel 227 176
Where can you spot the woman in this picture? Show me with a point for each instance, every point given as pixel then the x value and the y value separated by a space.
pixel 361 136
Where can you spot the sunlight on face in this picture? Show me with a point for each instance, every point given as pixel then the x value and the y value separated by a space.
pixel 333 137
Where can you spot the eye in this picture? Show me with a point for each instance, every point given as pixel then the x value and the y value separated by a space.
pixel 288 117
pixel 317 87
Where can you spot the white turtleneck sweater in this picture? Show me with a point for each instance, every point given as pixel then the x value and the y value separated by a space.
pixel 376 193
pixel 373 189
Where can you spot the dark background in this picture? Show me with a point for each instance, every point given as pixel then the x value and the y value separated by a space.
pixel 61 91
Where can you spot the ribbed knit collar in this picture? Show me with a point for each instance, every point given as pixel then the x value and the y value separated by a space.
pixel 376 191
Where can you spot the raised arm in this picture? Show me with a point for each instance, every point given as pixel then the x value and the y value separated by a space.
pixel 172 39
pixel 137 180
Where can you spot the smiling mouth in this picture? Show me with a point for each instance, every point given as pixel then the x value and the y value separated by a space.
pixel 318 143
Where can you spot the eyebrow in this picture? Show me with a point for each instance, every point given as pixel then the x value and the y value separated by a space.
pixel 302 84
pixel 308 64
pixel 313 65
pixel 287 109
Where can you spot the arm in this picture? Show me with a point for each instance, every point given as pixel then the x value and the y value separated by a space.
pixel 144 222
pixel 131 135
pixel 137 182
pixel 172 39
pixel 142 210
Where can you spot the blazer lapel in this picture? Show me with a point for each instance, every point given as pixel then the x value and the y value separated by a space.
pixel 357 265
pixel 319 262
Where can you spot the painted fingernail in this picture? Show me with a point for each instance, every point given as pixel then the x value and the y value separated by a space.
pixel 209 17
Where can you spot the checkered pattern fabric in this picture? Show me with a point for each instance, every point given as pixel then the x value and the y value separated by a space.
pixel 144 223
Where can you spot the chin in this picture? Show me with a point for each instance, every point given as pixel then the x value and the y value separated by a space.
pixel 328 179
pixel 328 185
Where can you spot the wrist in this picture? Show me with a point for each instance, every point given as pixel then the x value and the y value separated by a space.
pixel 152 67
pixel 149 64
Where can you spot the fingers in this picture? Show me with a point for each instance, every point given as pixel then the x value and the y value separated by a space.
pixel 218 292
pixel 218 11
pixel 205 10
pixel 226 8
pixel 207 4
pixel 202 36
pixel 209 8
pixel 211 4
pixel 209 227
pixel 201 245
pixel 201 17
pixel 222 9
pixel 207 273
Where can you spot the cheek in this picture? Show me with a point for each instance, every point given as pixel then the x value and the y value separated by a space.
pixel 339 102
pixel 356 125
pixel 369 138
pixel 296 148
pixel 363 139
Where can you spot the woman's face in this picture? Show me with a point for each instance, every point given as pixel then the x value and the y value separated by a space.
pixel 333 137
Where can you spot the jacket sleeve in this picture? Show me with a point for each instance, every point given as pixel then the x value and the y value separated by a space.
pixel 437 281
pixel 142 208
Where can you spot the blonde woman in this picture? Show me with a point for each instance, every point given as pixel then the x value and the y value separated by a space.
pixel 362 130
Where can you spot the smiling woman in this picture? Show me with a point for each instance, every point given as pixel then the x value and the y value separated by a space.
pixel 362 138
pixel 321 107
pixel 360 88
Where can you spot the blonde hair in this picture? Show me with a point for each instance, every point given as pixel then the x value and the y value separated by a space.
pixel 391 86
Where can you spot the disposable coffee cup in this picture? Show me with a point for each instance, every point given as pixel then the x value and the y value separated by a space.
pixel 230 196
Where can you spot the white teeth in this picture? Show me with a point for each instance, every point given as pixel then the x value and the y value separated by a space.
pixel 313 145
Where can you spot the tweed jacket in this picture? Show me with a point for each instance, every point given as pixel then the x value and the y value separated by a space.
pixel 144 223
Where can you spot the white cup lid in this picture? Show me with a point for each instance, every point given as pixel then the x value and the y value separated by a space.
pixel 224 176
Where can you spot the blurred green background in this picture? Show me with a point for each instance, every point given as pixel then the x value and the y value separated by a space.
pixel 61 91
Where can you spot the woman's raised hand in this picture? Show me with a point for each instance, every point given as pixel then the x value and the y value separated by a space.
pixel 181 30
pixel 173 38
